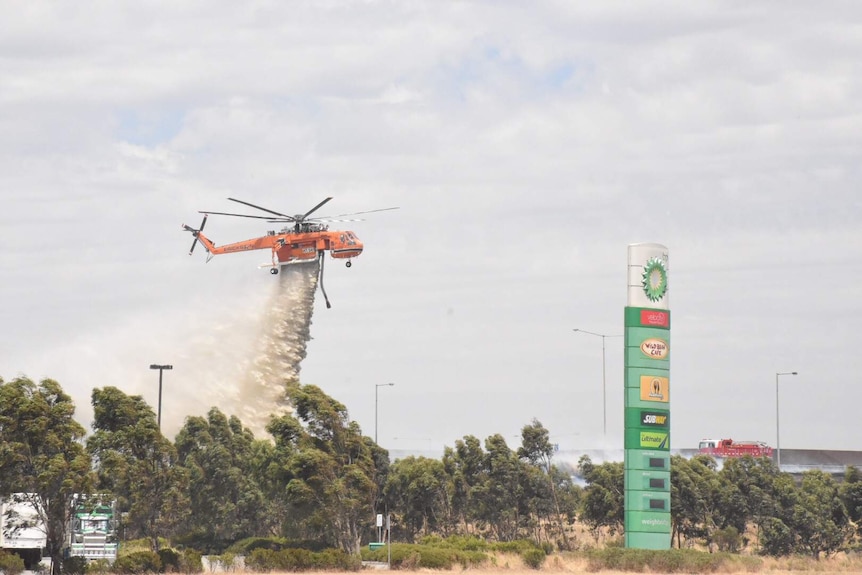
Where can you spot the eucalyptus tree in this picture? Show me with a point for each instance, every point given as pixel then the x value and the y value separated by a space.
pixel 851 495
pixel 417 491
pixel 602 504
pixel 465 465
pixel 536 449
pixel 137 465
pixel 226 501
pixel 498 496
pixel 42 460
pixel 328 464
pixel 820 521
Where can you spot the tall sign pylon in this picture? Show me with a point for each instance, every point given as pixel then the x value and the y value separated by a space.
pixel 647 399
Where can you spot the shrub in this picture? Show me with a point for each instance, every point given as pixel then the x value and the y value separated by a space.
pixel 728 539
pixel 74 565
pixel 264 560
pixel 98 567
pixel 190 561
pixel 11 564
pixel 138 562
pixel 406 555
pixel 533 558
pixel 170 560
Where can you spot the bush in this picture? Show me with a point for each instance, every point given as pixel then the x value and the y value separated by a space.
pixel 533 558
pixel 264 560
pixel 170 560
pixel 190 561
pixel 138 562
pixel 11 564
pixel 74 565
pixel 408 556
pixel 98 567
pixel 728 539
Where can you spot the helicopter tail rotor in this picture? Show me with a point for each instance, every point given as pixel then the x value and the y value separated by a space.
pixel 196 232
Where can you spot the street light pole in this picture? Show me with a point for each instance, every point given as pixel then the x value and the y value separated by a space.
pixel 777 428
pixel 161 368
pixel 604 391
pixel 376 387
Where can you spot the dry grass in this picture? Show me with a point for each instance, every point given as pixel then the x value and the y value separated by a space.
pixel 574 563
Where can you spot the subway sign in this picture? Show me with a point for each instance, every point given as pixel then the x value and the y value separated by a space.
pixel 655 419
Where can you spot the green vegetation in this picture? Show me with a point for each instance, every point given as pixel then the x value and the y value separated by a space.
pixel 11 564
pixel 304 498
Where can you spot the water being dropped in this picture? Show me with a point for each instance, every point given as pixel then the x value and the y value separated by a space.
pixel 285 330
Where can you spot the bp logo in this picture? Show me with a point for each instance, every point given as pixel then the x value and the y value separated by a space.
pixel 655 279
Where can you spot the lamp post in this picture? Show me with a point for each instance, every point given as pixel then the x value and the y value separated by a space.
pixel 604 392
pixel 376 387
pixel 777 427
pixel 161 369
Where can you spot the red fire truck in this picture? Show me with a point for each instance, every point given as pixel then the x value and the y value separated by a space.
pixel 731 448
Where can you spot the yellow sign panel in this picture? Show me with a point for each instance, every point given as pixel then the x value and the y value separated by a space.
pixel 655 388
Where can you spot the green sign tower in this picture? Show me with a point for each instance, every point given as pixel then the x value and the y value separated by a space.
pixel 647 399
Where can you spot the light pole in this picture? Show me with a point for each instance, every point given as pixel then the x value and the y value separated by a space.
pixel 604 392
pixel 376 387
pixel 161 368
pixel 777 427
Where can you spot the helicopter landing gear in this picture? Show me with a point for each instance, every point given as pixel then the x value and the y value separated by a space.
pixel 348 263
pixel 273 271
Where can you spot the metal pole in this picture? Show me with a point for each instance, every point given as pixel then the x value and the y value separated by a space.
pixel 604 396
pixel 777 424
pixel 604 382
pixel 777 427
pixel 160 398
pixel 161 368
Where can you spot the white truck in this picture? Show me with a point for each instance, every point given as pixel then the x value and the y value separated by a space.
pixel 93 532
pixel 21 530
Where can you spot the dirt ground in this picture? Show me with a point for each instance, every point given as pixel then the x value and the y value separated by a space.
pixel 512 565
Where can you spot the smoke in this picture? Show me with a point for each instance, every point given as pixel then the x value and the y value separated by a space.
pixel 285 330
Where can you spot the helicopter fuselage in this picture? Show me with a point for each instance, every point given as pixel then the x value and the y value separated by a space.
pixel 289 246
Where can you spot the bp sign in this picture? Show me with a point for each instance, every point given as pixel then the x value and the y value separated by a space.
pixel 647 399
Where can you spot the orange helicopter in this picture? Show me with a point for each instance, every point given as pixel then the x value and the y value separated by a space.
pixel 303 241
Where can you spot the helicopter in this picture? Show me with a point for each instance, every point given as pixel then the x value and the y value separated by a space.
pixel 304 239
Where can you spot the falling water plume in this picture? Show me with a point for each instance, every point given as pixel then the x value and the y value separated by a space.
pixel 281 346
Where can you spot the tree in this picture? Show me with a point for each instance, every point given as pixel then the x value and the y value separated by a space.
pixel 42 459
pixel 329 465
pixel 417 490
pixel 851 495
pixel 498 496
pixel 465 464
pixel 137 465
pixel 536 449
pixel 602 505
pixel 226 502
pixel 819 521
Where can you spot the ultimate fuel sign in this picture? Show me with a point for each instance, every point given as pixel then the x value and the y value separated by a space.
pixel 647 399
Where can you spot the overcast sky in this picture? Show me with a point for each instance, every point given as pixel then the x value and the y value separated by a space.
pixel 526 144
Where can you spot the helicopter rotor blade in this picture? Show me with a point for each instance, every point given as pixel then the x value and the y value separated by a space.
pixel 314 209
pixel 267 218
pixel 360 213
pixel 196 232
pixel 291 218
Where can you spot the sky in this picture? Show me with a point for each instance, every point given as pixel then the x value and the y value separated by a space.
pixel 526 145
